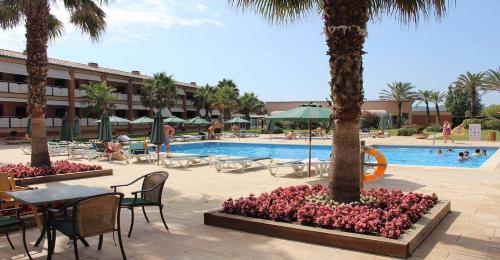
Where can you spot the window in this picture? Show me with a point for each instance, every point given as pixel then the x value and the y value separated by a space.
pixel 60 111
pixel 20 78
pixel 60 82
pixel 21 111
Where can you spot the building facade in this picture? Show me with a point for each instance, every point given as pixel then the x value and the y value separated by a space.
pixel 65 92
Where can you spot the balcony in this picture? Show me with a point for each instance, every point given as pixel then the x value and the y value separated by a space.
pixel 11 87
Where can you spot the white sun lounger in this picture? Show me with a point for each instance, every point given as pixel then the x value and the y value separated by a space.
pixel 244 163
pixel 297 166
pixel 185 160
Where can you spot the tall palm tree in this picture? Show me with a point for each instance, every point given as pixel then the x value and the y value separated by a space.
pixel 473 83
pixel 345 23
pixel 99 97
pixel 425 97
pixel 41 26
pixel 436 98
pixel 203 98
pixel 159 92
pixel 226 101
pixel 492 80
pixel 400 92
pixel 230 83
pixel 250 103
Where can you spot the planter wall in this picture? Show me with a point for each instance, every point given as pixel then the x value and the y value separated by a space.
pixel 63 177
pixel 402 247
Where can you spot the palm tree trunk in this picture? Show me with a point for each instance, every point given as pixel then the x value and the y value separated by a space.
pixel 399 113
pixel 36 65
pixel 438 115
pixel 345 30
pixel 428 113
pixel 473 99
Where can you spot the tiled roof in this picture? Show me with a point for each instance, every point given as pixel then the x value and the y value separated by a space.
pixel 70 64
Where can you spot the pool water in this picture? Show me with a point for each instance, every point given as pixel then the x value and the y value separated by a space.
pixel 421 156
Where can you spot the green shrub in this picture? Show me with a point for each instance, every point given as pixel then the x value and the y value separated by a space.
pixel 278 130
pixel 491 123
pixel 434 128
pixel 408 131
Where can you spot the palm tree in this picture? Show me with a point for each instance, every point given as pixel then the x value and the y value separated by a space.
pixel 345 23
pixel 425 97
pixel 225 100
pixel 473 83
pixel 203 98
pixel 159 92
pixel 41 26
pixel 492 81
pixel 99 98
pixel 250 103
pixel 400 92
pixel 230 83
pixel 436 98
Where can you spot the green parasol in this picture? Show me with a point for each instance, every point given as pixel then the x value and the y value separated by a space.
pixel 305 113
pixel 237 120
pixel 198 121
pixel 105 128
pixel 157 133
pixel 175 120
pixel 115 119
pixel 76 126
pixel 66 133
pixel 142 120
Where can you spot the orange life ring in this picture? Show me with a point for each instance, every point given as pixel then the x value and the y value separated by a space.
pixel 379 168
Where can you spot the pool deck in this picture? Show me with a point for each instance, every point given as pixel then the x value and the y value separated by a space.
pixel 470 231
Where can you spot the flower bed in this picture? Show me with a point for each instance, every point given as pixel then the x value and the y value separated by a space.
pixel 58 167
pixel 380 212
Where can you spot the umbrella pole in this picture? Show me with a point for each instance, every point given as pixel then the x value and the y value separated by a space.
pixel 158 153
pixel 68 148
pixel 309 166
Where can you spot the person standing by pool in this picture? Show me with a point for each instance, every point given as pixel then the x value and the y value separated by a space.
pixel 447 131
pixel 169 134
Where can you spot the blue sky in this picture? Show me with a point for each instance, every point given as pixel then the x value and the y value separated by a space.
pixel 205 41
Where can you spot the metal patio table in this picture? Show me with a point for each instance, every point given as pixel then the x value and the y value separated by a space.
pixel 41 197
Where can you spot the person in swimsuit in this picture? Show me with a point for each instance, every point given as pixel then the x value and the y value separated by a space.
pixel 447 131
pixel 169 133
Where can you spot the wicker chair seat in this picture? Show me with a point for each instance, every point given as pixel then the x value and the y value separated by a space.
pixel 130 202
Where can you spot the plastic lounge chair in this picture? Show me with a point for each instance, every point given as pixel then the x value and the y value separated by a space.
pixel 185 160
pixel 137 151
pixel 297 166
pixel 244 162
pixel 6 222
pixel 149 195
pixel 92 216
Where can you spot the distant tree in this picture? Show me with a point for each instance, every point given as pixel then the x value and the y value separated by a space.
pixel 225 100
pixel 250 103
pixel 203 99
pixel 230 83
pixel 491 110
pixel 473 83
pixel 159 92
pixel 492 80
pixel 99 97
pixel 458 102
pixel 436 98
pixel 400 92
pixel 424 96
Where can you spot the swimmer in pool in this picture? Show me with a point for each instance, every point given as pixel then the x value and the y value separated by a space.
pixel 484 153
pixel 461 157
pixel 477 152
pixel 450 150
pixel 439 151
pixel 466 154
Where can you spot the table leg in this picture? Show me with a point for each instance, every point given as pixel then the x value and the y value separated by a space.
pixel 45 227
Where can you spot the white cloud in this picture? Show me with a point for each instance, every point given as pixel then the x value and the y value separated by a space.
pixel 128 20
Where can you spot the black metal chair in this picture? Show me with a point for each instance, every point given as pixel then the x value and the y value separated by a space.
pixel 92 216
pixel 8 221
pixel 149 195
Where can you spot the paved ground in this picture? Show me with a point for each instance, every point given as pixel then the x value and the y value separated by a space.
pixel 470 231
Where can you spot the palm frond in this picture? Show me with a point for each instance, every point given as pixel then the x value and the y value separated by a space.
pixel 10 15
pixel 56 27
pixel 89 17
pixel 408 11
pixel 279 11
pixel 492 80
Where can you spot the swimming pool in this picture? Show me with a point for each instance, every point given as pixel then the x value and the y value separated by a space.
pixel 421 156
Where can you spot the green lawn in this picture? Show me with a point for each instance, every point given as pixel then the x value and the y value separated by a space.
pixel 484 136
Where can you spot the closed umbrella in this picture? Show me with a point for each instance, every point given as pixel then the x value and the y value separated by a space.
pixel 28 127
pixel 157 133
pixel 305 113
pixel 66 133
pixel 382 122
pixel 105 128
pixel 76 126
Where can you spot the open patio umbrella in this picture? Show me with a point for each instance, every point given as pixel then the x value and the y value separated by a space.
pixel 66 133
pixel 305 113
pixel 157 133
pixel 142 120
pixel 175 120
pixel 198 121
pixel 237 120
pixel 105 128
pixel 76 126
pixel 116 119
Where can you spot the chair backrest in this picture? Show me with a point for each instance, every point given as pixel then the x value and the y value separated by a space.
pixel 100 147
pixel 137 148
pixel 97 215
pixel 151 180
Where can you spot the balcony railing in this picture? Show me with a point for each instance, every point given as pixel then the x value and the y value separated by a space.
pixel 15 122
